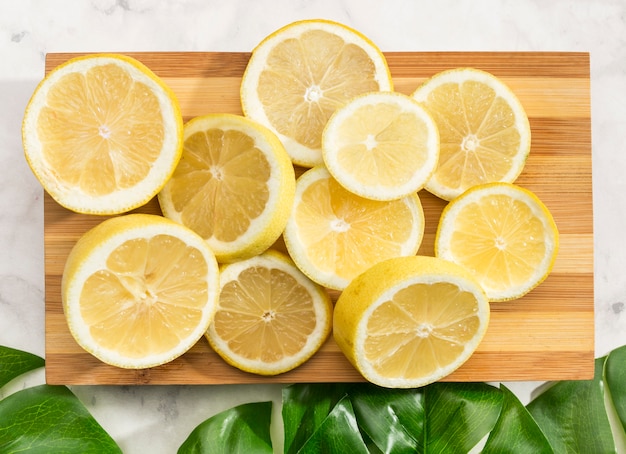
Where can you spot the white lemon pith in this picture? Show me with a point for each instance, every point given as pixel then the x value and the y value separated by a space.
pixel 300 74
pixel 381 146
pixel 234 185
pixel 410 321
pixel 139 290
pixel 271 318
pixel 483 129
pixel 334 235
pixel 102 134
pixel 503 234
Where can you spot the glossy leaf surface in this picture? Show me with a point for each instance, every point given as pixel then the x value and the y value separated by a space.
pixel 615 377
pixel 459 415
pixel 393 419
pixel 50 419
pixel 516 430
pixel 14 363
pixel 573 417
pixel 242 429
pixel 436 418
pixel 305 407
pixel 338 432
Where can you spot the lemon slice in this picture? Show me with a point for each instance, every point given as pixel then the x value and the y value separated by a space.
pixel 483 128
pixel 334 235
pixel 503 234
pixel 300 74
pixel 381 146
pixel 102 134
pixel 410 321
pixel 139 290
pixel 234 185
pixel 271 318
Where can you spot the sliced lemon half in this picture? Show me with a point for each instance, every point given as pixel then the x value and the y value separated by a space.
pixel 234 185
pixel 271 318
pixel 102 133
pixel 301 73
pixel 381 146
pixel 139 290
pixel 503 234
pixel 483 128
pixel 410 321
pixel 334 235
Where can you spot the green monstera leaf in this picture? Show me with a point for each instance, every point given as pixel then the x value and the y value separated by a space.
pixel 516 430
pixel 45 419
pixel 14 363
pixel 615 378
pixel 443 417
pixel 244 429
pixel 570 416
pixel 573 416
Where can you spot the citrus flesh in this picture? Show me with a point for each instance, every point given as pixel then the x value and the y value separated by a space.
pixel 271 318
pixel 381 146
pixel 139 290
pixel 234 185
pixel 484 130
pixel 301 73
pixel 102 134
pixel 334 235
pixel 410 321
pixel 503 234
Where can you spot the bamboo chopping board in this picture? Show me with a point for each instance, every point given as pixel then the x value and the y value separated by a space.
pixel 546 335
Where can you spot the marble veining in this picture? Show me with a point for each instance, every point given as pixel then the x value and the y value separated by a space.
pixel 157 419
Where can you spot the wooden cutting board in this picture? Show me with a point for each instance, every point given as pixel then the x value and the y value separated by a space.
pixel 546 335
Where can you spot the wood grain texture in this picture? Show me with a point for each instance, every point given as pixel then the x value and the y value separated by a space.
pixel 546 335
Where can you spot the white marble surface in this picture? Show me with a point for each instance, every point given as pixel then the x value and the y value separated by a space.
pixel 157 419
